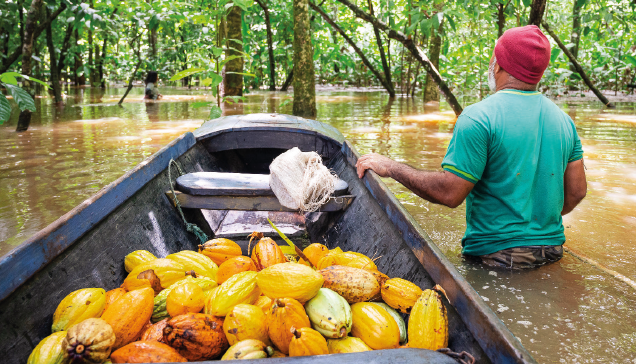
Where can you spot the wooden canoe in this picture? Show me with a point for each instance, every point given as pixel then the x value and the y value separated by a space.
pixel 86 247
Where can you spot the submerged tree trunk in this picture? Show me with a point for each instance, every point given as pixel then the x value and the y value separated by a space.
pixel 64 50
pixel 355 47
pixel 55 73
pixel 288 80
pixel 415 51
pixel 577 66
pixel 385 65
pixel 233 82
pixel 27 48
pixel 431 93
pixel 79 64
pixel 304 78
pixel 536 12
pixel 575 38
pixel 270 46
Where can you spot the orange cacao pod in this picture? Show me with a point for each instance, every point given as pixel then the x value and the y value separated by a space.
pixel 220 250
pixel 155 332
pixel 129 314
pixel 285 313
pixel 267 253
pixel 232 266
pixel 196 336
pixel 146 352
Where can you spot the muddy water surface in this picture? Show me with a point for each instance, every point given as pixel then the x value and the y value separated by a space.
pixel 565 312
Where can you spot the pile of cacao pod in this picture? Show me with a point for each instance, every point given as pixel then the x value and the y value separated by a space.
pixel 217 303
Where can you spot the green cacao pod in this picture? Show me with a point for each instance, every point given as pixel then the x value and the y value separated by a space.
pixel 49 350
pixel 398 319
pixel 329 313
pixel 160 310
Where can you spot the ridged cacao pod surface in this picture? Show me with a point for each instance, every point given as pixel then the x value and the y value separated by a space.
pixel 199 263
pixel 157 274
pixel 137 257
pixel 264 302
pixel 314 252
pixel 220 250
pixel 267 253
pixel 113 295
pixel 381 278
pixel 398 319
pixel 400 294
pixel 246 322
pixel 129 314
pixel 160 310
pixel 329 313
pixel 347 344
pixel 147 352
pixel 196 336
pixel 248 349
pixel 155 332
pixel 240 288
pixel 233 266
pixel 374 326
pixel 428 322
pixel 49 350
pixel 354 284
pixel 289 280
pixel 306 342
pixel 284 314
pixel 90 341
pixel 77 307
pixel 349 259
pixel 185 298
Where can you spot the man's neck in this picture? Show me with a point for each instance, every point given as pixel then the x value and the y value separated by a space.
pixel 516 85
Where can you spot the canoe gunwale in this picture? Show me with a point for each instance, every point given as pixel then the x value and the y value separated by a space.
pixel 24 261
pixel 460 293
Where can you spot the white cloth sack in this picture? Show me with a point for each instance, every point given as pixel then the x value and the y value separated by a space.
pixel 300 181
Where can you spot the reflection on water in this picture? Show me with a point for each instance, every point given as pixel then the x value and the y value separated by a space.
pixel 565 312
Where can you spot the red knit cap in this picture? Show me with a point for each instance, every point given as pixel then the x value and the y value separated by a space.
pixel 524 52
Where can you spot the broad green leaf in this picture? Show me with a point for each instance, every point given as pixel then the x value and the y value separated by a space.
pixel 451 22
pixel 216 80
pixel 630 59
pixel 555 53
pixel 186 73
pixel 22 98
pixel 527 2
pixel 36 80
pixel 242 73
pixel 241 4
pixel 215 112
pixel 576 76
pixel 227 59
pixel 5 109
pixel 580 3
pixel 217 52
pixel 9 77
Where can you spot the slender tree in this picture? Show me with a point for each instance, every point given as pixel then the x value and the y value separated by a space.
pixel 385 65
pixel 304 77
pixel 575 37
pixel 431 92
pixel 55 74
pixel 232 78
pixel 537 8
pixel 270 45
pixel 27 50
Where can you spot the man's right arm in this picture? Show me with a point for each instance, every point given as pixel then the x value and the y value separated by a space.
pixel 574 185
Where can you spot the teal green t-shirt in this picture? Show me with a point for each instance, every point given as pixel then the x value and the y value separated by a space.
pixel 515 146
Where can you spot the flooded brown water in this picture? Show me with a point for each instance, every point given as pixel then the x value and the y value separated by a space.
pixel 566 312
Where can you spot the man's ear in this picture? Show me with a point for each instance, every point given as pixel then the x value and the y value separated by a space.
pixel 497 68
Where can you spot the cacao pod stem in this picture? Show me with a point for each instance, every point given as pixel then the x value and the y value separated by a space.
pixel 295 332
pixel 150 275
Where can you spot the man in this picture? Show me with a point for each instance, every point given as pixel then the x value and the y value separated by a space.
pixel 516 158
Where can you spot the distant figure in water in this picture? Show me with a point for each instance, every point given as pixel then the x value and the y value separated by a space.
pixel 515 158
pixel 152 91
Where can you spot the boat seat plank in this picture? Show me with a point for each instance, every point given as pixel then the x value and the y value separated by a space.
pixel 234 184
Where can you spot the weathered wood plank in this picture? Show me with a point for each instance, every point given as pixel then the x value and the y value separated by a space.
pixel 234 184
pixel 239 224
pixel 250 203
pixel 25 260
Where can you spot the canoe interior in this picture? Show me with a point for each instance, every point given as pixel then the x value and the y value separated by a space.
pixel 148 221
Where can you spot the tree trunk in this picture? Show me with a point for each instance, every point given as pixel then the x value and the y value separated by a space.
pixel 385 65
pixel 270 46
pixel 537 8
pixel 501 19
pixel 55 73
pixel 232 82
pixel 288 80
pixel 64 50
pixel 79 64
pixel 27 48
pixel 355 47
pixel 91 75
pixel 304 79
pixel 415 51
pixel 431 93
pixel 575 38
pixel 577 66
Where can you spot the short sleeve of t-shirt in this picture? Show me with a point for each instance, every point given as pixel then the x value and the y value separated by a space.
pixel 577 150
pixel 467 152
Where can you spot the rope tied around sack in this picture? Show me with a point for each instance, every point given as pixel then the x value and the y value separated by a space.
pixel 193 228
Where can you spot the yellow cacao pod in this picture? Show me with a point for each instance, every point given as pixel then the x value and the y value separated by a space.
pixel 289 280
pixel 90 341
pixel 137 257
pixel 428 322
pixel 314 252
pixel 160 310
pixel 354 284
pixel 264 302
pixel 240 288
pixel 349 259
pixel 307 342
pixel 157 274
pixel 248 349
pixel 185 298
pixel 398 319
pixel 77 307
pixel 245 322
pixel 374 326
pixel 400 294
pixel 199 263
pixel 49 350
pixel 220 250
pixel 347 344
